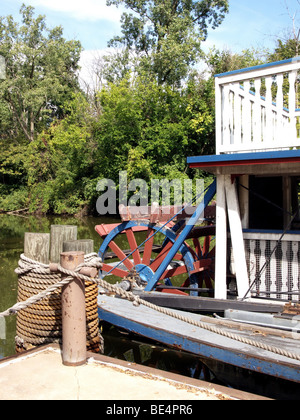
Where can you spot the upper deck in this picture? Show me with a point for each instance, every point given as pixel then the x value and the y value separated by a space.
pixel 257 108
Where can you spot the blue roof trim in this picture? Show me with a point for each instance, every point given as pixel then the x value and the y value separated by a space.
pixel 239 157
pixel 263 66
pixel 277 232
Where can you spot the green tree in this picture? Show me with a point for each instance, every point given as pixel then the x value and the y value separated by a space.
pixel 41 77
pixel 285 50
pixel 167 35
pixel 144 124
pixel 41 71
pixel 60 163
pixel 222 61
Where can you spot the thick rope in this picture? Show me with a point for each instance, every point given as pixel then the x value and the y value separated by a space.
pixel 138 301
pixel 27 265
pixel 41 322
pixel 36 298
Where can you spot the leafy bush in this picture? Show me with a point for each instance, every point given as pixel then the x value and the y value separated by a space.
pixel 16 199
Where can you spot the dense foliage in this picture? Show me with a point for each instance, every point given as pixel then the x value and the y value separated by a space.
pixel 153 110
pixel 166 35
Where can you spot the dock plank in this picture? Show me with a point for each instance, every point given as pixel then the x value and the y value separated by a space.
pixel 182 335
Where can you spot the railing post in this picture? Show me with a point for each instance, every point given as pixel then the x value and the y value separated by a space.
pixel 218 102
pixel 73 313
pixel 292 103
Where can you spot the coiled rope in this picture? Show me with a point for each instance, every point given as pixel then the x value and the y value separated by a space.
pixel 27 266
pixel 39 317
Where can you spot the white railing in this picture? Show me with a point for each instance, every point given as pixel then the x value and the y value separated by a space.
pixel 257 108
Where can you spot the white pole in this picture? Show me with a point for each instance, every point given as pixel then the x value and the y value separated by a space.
pixel 221 241
pixel 237 239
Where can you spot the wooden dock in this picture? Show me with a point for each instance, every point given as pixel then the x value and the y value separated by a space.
pixel 40 375
pixel 184 336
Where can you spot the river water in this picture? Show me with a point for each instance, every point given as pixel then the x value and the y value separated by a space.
pixel 118 344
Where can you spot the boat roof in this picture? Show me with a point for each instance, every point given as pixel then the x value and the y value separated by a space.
pixel 279 162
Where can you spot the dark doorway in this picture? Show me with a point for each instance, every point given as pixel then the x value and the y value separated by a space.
pixel 266 203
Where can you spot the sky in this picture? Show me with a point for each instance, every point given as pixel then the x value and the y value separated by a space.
pixel 255 23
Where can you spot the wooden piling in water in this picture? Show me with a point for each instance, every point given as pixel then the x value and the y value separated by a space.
pixel 37 246
pixel 59 234
pixel 85 245
pixel 40 323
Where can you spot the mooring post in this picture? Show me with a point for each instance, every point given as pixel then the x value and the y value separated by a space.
pixel 73 313
pixel 85 245
pixel 36 246
pixel 59 234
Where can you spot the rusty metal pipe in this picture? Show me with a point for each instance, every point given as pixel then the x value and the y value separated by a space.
pixel 73 313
